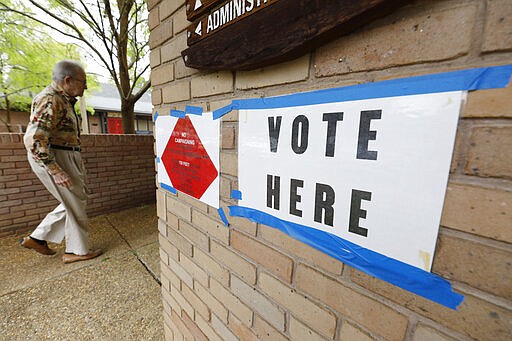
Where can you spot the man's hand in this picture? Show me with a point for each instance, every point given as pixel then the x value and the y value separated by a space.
pixel 62 179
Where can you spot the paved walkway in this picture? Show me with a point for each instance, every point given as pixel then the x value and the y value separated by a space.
pixel 113 297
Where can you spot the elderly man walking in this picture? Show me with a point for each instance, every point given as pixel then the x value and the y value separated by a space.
pixel 53 144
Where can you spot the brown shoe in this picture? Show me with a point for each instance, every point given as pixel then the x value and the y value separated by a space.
pixel 29 243
pixel 71 257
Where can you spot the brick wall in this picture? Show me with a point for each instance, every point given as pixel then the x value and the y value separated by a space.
pixel 120 172
pixel 252 282
pixel 18 121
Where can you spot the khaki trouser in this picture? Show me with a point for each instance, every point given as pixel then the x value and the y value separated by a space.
pixel 69 219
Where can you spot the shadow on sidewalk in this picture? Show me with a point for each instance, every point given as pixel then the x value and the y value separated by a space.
pixel 115 296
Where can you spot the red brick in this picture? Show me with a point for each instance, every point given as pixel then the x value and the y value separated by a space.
pixel 21 195
pixel 270 258
pixel 7 165
pixel 494 103
pixel 317 317
pixel 475 317
pixel 152 3
pixel 14 158
pixel 13 215
pixel 234 261
pixel 153 20
pixel 265 332
pixel 485 211
pixel 428 32
pixel 498 23
pixel 228 137
pixel 193 328
pixel 489 152
pixel 366 311
pixel 240 330
pixel 114 185
pixel 25 219
pixel 425 333
pixel 181 326
pixel 12 203
pixel 8 178
pixel 296 248
pixel 479 265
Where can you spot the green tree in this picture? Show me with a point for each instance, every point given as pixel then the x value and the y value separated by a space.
pixel 27 56
pixel 114 33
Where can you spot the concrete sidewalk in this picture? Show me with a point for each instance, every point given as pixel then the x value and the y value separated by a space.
pixel 113 297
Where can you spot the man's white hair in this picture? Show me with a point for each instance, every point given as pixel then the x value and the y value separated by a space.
pixel 66 68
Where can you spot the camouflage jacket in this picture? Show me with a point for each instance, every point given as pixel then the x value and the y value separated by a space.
pixel 52 121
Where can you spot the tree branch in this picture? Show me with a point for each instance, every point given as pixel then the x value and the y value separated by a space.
pixel 142 91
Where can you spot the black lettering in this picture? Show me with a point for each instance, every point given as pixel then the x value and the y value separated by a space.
pixel 304 131
pixel 356 212
pixel 273 191
pixel 324 199
pixel 273 132
pixel 294 197
pixel 332 120
pixel 365 134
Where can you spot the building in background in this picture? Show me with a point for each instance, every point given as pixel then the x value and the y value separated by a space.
pixel 107 118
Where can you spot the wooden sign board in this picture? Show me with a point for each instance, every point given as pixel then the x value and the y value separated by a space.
pixel 249 34
pixel 196 8
pixel 220 14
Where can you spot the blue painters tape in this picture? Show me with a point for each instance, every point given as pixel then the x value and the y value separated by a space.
pixel 471 79
pixel 168 188
pixel 464 80
pixel 223 216
pixel 157 159
pixel 405 276
pixel 156 116
pixel 189 109
pixel 222 111
pixel 177 113
pixel 236 194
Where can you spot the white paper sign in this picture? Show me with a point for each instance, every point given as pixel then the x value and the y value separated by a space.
pixel 188 153
pixel 373 172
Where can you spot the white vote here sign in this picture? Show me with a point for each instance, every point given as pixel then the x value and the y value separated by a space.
pixel 373 172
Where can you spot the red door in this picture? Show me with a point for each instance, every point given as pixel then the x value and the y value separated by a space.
pixel 115 125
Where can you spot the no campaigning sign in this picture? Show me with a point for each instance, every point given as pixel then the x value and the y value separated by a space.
pixel 188 155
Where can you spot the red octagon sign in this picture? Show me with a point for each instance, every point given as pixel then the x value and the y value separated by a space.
pixel 186 161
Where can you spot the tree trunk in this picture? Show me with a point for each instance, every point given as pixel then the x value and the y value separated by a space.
pixel 127 110
pixel 127 102
pixel 8 114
